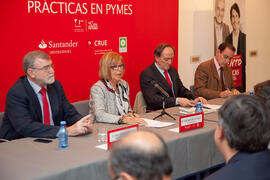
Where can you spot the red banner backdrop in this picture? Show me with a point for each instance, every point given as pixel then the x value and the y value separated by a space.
pixel 77 33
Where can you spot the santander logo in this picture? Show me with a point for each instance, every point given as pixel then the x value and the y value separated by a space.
pixel 60 44
pixel 42 45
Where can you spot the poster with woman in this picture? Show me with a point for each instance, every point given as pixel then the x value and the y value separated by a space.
pixel 230 26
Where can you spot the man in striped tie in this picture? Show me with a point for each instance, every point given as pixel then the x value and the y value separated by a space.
pixel 161 73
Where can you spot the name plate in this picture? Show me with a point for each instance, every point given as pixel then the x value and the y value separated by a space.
pixel 192 121
pixel 117 134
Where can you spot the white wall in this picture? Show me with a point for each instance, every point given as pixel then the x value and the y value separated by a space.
pixel 196 38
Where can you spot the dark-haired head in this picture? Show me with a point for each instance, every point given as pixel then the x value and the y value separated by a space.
pixel 246 123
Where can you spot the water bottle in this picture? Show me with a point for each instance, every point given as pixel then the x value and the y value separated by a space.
pixel 251 93
pixel 198 107
pixel 62 135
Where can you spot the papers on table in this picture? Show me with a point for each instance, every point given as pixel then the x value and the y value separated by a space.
pixel 175 130
pixel 102 146
pixel 157 124
pixel 209 108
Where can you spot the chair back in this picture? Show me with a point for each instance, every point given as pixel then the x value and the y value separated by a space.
pixel 82 107
pixel 139 104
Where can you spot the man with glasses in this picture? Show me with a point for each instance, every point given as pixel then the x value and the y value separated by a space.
pixel 162 73
pixel 36 103
pixel 213 78
pixel 141 156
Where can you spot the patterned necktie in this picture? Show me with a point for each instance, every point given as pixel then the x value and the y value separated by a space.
pixel 167 78
pixel 46 112
pixel 222 79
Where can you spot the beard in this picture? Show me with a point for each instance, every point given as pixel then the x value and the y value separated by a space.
pixel 49 80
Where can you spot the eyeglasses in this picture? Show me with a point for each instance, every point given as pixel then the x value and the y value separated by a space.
pixel 45 68
pixel 227 57
pixel 121 66
pixel 167 58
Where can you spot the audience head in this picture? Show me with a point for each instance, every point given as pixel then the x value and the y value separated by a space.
pixel 219 10
pixel 262 90
pixel 111 66
pixel 245 124
pixel 140 155
pixel 38 67
pixel 164 55
pixel 224 53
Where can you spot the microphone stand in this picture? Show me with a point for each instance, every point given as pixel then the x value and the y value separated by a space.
pixel 163 112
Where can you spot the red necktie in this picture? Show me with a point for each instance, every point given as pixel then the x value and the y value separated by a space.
pixel 167 78
pixel 46 112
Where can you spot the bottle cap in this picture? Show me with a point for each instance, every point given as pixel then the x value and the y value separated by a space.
pixel 63 123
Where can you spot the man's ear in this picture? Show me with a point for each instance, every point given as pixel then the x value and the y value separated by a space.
pixel 217 51
pixel 30 72
pixel 126 176
pixel 220 132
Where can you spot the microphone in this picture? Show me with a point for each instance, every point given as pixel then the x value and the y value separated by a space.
pixel 156 85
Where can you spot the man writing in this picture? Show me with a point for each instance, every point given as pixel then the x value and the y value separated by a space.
pixel 166 76
pixel 36 103
pixel 140 156
pixel 213 78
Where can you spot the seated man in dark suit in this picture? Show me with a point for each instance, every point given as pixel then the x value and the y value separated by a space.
pixel 213 78
pixel 242 136
pixel 166 76
pixel 36 103
pixel 141 156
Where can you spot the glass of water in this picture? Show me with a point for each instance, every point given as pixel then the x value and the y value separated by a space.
pixel 102 134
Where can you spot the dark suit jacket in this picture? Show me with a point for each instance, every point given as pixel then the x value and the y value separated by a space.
pixel 247 166
pixel 207 82
pixel 153 96
pixel 241 49
pixel 23 116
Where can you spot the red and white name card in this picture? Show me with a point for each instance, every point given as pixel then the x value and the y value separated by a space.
pixel 117 134
pixel 192 121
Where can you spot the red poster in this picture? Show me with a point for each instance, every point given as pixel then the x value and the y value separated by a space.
pixel 77 33
pixel 236 65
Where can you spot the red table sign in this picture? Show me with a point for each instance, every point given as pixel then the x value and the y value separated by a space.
pixel 191 121
pixel 116 134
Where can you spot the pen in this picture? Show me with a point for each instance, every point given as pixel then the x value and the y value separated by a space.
pixel 205 107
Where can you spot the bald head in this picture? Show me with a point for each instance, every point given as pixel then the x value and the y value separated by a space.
pixel 142 155
pixel 142 141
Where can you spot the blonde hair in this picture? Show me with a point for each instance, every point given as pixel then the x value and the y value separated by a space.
pixel 107 60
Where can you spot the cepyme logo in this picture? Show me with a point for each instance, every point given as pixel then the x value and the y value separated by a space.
pixel 42 45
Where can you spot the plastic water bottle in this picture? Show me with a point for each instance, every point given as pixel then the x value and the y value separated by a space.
pixel 251 93
pixel 198 107
pixel 62 135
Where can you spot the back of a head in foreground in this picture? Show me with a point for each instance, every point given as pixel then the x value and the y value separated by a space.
pixel 262 90
pixel 246 123
pixel 143 155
